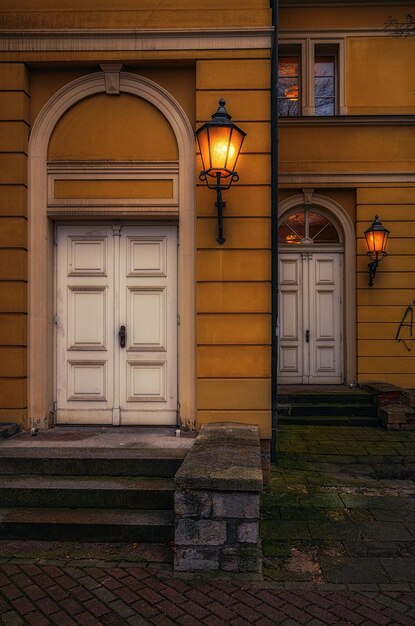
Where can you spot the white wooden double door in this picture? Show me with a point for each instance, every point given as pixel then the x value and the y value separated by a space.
pixel 310 344
pixel 116 324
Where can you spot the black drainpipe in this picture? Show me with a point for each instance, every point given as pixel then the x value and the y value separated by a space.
pixel 274 228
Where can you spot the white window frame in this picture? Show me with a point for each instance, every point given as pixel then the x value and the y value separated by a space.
pixel 307 53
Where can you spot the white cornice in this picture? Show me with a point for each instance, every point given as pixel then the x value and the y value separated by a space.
pixel 134 40
pixel 349 179
pixel 348 120
pixel 286 35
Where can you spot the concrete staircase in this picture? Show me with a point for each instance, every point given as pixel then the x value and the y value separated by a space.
pixel 93 495
pixel 354 407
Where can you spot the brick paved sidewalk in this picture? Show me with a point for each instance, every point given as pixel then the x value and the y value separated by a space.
pixel 338 535
pixel 70 595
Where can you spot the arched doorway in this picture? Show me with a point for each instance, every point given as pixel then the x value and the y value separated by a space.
pixel 41 236
pixel 311 279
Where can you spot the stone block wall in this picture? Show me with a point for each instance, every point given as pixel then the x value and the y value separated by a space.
pixel 392 405
pixel 217 503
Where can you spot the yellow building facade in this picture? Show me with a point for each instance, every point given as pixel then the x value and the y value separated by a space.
pixel 346 136
pixel 105 225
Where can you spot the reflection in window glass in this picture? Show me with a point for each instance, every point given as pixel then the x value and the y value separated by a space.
pixel 289 96
pixel 324 85
pixel 292 230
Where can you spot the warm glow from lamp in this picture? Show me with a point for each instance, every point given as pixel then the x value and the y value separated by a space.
pixel 220 142
pixel 291 93
pixel 292 239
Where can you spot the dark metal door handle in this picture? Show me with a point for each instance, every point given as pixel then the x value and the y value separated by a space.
pixel 122 334
pixel 307 336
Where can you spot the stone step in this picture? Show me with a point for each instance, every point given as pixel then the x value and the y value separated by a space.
pixel 49 461
pixel 92 525
pixel 316 397
pixel 327 420
pixel 87 492
pixel 346 410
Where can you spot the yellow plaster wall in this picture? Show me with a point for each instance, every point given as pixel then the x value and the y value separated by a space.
pixel 128 14
pixel 348 148
pixel 380 75
pixel 233 280
pixel 381 307
pixel 46 79
pixel 14 132
pixel 340 17
pixel 115 128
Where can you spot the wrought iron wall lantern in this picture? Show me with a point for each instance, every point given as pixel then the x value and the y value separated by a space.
pixel 219 142
pixel 376 239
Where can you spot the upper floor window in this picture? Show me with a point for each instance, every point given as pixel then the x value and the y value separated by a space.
pixel 310 79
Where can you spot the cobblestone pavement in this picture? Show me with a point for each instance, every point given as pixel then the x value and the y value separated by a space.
pixel 338 534
pixel 341 506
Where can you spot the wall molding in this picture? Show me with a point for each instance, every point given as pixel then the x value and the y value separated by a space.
pixel 135 40
pixel 348 120
pixel 349 179
pixel 110 171
pixel 332 33
pixel 41 297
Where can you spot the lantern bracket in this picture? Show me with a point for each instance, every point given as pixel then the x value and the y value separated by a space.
pixel 373 266
pixel 220 204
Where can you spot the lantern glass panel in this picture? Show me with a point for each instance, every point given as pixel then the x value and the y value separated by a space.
pixel 236 140
pixel 203 141
pixel 220 149
pixel 376 241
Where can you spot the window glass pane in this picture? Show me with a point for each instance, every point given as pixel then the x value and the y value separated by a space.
pixel 286 235
pixel 288 108
pixel 292 230
pixel 324 106
pixel 288 66
pixel 321 229
pixel 324 85
pixel 324 66
pixel 329 234
pixel 289 96
pixel 288 88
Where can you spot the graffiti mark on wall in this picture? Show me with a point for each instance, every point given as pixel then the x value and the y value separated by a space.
pixel 407 321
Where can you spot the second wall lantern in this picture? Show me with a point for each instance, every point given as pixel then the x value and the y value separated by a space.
pixel 219 142
pixel 376 240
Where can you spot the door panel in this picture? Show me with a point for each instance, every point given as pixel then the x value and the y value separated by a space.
pixel 325 317
pixel 310 344
pixel 84 337
pixel 107 277
pixel 148 309
pixel 291 322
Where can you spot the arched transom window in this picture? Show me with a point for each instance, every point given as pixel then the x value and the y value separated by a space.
pixel 307 226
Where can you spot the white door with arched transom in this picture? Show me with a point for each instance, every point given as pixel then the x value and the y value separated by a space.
pixel 310 299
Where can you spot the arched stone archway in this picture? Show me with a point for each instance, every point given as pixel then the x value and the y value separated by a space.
pixel 40 366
